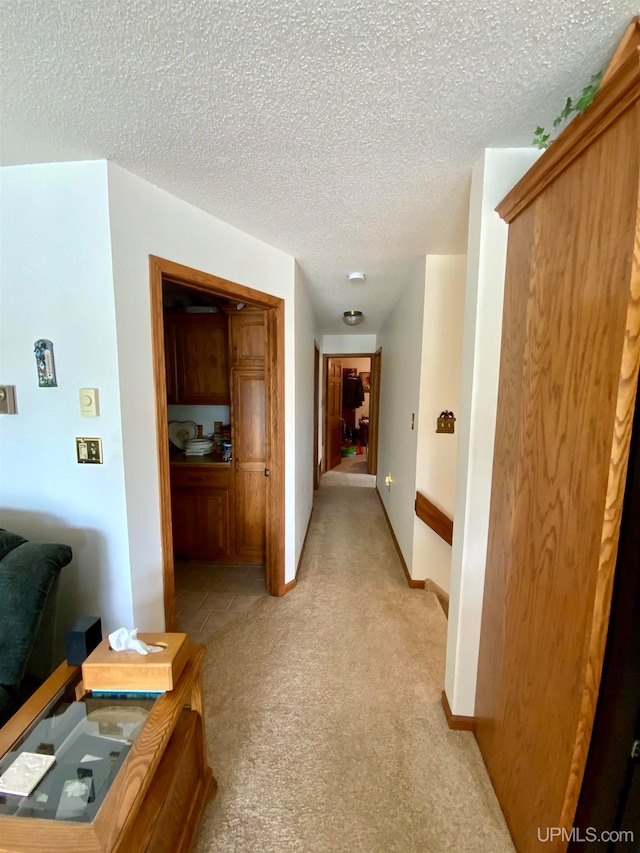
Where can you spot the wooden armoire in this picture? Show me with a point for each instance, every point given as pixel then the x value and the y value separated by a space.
pixel 568 380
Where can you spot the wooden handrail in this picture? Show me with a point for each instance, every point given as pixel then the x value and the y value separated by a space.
pixel 434 518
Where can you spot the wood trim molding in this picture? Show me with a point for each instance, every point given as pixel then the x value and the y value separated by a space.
pixel 274 422
pixel 156 268
pixel 454 721
pixel 289 586
pixel 412 583
pixel 161 269
pixel 434 518
pixel 629 42
pixel 304 542
pixel 208 282
pixel 621 92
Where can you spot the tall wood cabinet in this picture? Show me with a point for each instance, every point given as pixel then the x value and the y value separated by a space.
pixel 568 381
pixel 247 354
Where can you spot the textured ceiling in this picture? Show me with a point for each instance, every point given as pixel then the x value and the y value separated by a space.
pixel 341 131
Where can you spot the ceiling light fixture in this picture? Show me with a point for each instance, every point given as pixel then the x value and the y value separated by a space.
pixel 352 318
pixel 356 277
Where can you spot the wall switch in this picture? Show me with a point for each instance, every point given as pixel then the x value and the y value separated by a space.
pixel 89 451
pixel 7 399
pixel 89 402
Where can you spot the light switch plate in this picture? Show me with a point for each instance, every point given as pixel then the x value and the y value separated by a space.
pixel 89 402
pixel 89 451
pixel 7 399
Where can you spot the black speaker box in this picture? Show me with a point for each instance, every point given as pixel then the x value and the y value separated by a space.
pixel 82 638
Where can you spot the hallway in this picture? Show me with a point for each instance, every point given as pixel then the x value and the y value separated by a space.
pixel 324 724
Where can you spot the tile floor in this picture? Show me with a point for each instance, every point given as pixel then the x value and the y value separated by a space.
pixel 208 595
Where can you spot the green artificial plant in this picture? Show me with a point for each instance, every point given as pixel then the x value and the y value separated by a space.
pixel 542 138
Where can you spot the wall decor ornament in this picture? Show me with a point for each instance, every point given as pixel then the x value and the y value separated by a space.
pixel 45 363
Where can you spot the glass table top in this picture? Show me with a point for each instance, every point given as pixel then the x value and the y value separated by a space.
pixel 89 740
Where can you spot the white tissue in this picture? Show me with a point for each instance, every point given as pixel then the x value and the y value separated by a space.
pixel 125 640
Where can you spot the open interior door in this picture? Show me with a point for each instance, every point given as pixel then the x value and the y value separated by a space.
pixel 334 412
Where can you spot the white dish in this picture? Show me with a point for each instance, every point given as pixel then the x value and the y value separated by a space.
pixel 181 431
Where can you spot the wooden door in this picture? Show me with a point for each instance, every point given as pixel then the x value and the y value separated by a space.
pixel 334 412
pixel 374 413
pixel 203 360
pixel 568 379
pixel 249 463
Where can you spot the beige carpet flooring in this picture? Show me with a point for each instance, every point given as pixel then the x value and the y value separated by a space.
pixel 324 724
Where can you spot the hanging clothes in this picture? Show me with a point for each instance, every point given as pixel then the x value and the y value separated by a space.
pixel 352 391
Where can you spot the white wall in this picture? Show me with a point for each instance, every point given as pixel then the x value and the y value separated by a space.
pixel 56 283
pixel 146 220
pixel 401 340
pixel 341 344
pixel 305 333
pixel 493 176
pixel 74 268
pixel 439 389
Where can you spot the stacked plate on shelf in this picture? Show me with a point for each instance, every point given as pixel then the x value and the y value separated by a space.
pixel 198 446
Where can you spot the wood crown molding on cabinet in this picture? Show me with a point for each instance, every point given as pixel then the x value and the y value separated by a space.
pixel 621 92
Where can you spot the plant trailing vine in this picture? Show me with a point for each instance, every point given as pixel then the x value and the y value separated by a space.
pixel 542 138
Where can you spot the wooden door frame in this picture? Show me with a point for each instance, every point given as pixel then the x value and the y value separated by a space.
pixel 273 306
pixel 316 414
pixel 372 432
pixel 374 412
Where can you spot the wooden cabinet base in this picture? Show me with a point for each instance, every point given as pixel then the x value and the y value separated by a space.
pixel 171 811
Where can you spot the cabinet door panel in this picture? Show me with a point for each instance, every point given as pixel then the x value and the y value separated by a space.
pixel 184 523
pixel 214 533
pixel 249 433
pixel 203 367
pixel 247 338
pixel 249 448
pixel 251 508
pixel 200 521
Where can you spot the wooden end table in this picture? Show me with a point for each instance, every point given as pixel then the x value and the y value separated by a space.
pixel 149 779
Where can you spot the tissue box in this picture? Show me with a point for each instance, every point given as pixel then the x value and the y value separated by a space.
pixel 130 672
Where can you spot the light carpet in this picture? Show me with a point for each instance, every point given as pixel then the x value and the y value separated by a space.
pixel 324 725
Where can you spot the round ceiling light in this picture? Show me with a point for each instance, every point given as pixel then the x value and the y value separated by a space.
pixel 356 277
pixel 352 318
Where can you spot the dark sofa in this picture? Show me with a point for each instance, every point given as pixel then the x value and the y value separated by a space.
pixel 29 577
